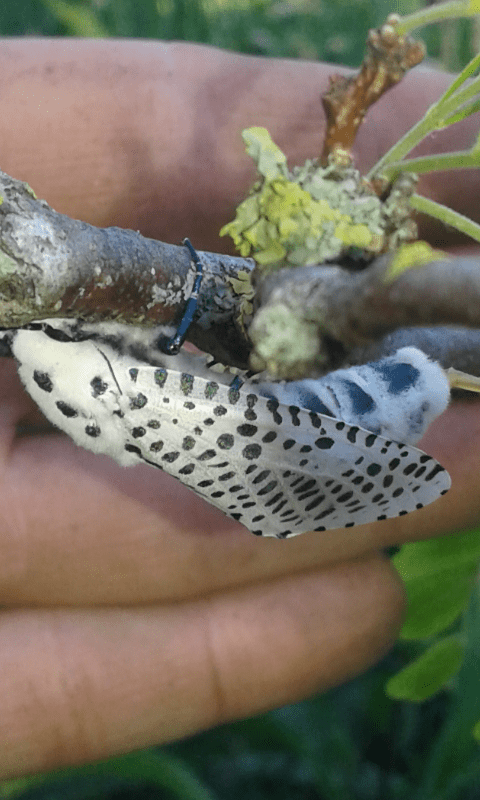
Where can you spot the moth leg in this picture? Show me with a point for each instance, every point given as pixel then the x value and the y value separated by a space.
pixel 237 383
pixel 172 345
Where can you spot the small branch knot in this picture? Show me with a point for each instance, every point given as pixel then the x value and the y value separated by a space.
pixel 389 56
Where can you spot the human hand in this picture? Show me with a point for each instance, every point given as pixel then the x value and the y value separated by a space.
pixel 134 613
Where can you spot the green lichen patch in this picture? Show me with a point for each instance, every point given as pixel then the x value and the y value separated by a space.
pixel 313 214
pixel 412 256
pixel 284 344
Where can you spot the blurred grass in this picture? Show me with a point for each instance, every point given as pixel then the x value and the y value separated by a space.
pixel 354 743
pixel 330 30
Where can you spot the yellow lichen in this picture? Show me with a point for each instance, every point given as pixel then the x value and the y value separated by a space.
pixel 305 217
pixel 411 256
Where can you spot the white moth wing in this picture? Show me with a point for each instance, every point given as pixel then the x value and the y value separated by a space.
pixel 279 470
pixel 74 386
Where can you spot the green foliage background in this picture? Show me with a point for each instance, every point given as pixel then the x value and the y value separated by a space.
pixel 356 742
pixel 329 30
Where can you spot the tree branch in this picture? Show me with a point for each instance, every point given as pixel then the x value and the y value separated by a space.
pixel 308 319
pixel 389 55
pixel 335 310
pixel 52 266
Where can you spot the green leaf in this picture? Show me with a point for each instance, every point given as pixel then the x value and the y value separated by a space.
pixel 16 787
pixel 429 673
pixel 460 159
pixel 462 113
pixel 438 576
pixel 476 731
pixel 424 558
pixel 436 116
pixel 78 19
pixel 436 601
pixel 157 767
pixel 438 12
pixel 466 73
pixel 453 751
pixel 446 215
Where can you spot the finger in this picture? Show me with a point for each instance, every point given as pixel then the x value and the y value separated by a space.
pixel 80 686
pixel 454 440
pixel 63 162
pixel 77 529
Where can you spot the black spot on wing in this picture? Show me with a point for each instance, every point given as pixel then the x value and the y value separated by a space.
pixel 225 441
pixel 160 376
pixel 250 414
pixel 437 469
pixel 93 431
pixel 171 457
pixel 138 432
pixel 65 409
pixel 186 383
pixel 270 436
pixel 211 389
pixel 43 380
pixel 131 448
pixel 156 447
pixel 272 405
pixel 373 469
pixel 247 430
pixel 252 451
pixel 352 434
pixel 99 386
pixel 325 443
pixel 139 401
pixel 187 469
pixel 233 396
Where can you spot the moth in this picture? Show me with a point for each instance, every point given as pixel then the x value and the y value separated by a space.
pixel 281 459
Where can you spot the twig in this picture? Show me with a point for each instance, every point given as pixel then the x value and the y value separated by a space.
pixel 308 319
pixel 336 310
pixel 52 266
pixel 389 55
